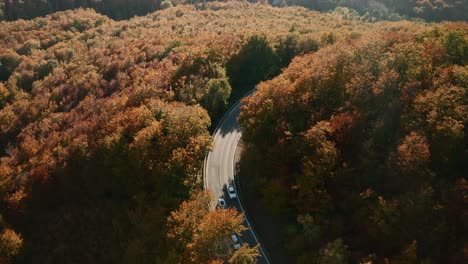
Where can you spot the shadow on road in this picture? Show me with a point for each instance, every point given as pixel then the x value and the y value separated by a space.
pixel 230 124
pixel 266 226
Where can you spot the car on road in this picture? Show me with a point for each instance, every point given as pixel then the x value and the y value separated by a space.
pixel 221 203
pixel 235 242
pixel 231 192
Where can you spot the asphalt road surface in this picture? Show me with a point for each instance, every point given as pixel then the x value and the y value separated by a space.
pixel 219 170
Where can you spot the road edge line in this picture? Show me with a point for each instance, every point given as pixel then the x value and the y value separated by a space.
pixel 237 143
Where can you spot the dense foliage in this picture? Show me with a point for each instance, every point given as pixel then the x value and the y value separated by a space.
pixel 104 124
pixel 2 8
pixel 361 148
pixel 371 10
pixel 430 10
pixel 117 9
pixel 200 234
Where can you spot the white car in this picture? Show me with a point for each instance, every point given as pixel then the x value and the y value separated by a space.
pixel 221 203
pixel 232 192
pixel 235 242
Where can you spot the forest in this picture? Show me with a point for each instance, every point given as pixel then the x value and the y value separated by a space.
pixel 357 131
pixel 369 10
pixel 105 125
pixel 361 148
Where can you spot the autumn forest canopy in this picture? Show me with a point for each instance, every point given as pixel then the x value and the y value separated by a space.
pixel 356 138
pixel 361 149
pixel 372 10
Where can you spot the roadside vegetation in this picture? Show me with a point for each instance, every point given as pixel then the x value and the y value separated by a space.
pixel 361 148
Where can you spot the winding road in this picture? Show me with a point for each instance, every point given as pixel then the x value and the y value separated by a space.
pixel 219 170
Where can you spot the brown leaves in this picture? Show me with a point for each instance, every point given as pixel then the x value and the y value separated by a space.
pixel 10 245
pixel 414 151
pixel 15 202
pixel 183 222
pixel 320 150
pixel 210 240
pixel 200 234
pixel 343 127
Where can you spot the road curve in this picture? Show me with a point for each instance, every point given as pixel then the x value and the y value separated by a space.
pixel 219 169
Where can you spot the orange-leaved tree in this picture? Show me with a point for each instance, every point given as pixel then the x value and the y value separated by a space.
pixel 201 235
